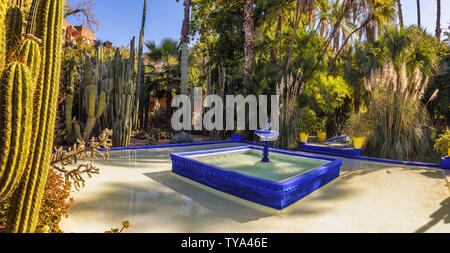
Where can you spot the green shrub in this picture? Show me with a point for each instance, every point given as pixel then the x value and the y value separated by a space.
pixel 443 143
pixel 399 121
pixel 306 120
pixel 182 138
pixel 358 125
pixel 322 124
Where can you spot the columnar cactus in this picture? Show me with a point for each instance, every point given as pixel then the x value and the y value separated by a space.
pixel 15 123
pixel 123 78
pixel 14 22
pixel 27 198
pixel 94 101
pixel 94 114
pixel 30 54
pixel 3 9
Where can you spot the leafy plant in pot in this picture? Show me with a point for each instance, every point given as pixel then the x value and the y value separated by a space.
pixel 443 144
pixel 306 121
pixel 358 126
pixel 321 129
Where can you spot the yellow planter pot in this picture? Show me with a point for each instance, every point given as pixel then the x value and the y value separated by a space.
pixel 303 137
pixel 359 142
pixel 321 136
pixel 448 152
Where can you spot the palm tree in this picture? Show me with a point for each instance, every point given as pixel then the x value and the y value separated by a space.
pixel 418 13
pixel 377 15
pixel 438 20
pixel 166 50
pixel 400 13
pixel 185 46
pixel 249 30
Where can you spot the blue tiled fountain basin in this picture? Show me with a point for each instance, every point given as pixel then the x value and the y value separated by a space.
pixel 274 194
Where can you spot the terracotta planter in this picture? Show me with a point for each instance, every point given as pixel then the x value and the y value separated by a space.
pixel 304 137
pixel 321 136
pixel 359 142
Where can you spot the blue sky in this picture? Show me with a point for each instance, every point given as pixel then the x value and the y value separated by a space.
pixel 120 20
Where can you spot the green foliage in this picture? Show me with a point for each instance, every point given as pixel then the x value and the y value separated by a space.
pixel 358 125
pixel 325 93
pixel 439 103
pixel 411 46
pixel 166 51
pixel 321 124
pixel 306 121
pixel 443 143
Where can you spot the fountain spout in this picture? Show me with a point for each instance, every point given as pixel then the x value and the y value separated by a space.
pixel 266 136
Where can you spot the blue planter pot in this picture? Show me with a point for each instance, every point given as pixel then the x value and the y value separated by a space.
pixel 445 163
pixel 236 137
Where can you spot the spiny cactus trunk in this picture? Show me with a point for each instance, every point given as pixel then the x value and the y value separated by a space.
pixel 94 101
pixel 14 22
pixel 26 201
pixel 94 115
pixel 3 7
pixel 15 124
pixel 123 94
pixel 30 54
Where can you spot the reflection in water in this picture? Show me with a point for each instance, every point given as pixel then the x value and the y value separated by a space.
pixel 214 201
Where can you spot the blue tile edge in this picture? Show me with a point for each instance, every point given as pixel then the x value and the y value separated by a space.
pixel 337 138
pixel 278 195
pixel 168 145
pixel 335 152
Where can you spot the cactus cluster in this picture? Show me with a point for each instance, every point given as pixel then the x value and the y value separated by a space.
pixel 28 98
pixel 106 97
pixel 122 110
pixel 89 97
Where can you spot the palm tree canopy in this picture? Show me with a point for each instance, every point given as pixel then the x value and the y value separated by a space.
pixel 167 48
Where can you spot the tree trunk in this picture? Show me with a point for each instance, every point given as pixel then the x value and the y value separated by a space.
pixel 249 31
pixel 418 13
pixel 400 13
pixel 438 20
pixel 184 46
pixel 294 33
pixel 140 98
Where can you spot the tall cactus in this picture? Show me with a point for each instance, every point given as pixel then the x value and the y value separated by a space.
pixel 94 102
pixel 140 98
pixel 14 22
pixel 3 8
pixel 30 54
pixel 123 78
pixel 93 112
pixel 16 95
pixel 26 200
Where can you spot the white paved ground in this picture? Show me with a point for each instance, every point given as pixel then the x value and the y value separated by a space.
pixel 368 197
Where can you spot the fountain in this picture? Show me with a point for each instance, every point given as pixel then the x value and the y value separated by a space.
pixel 267 136
pixel 239 171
